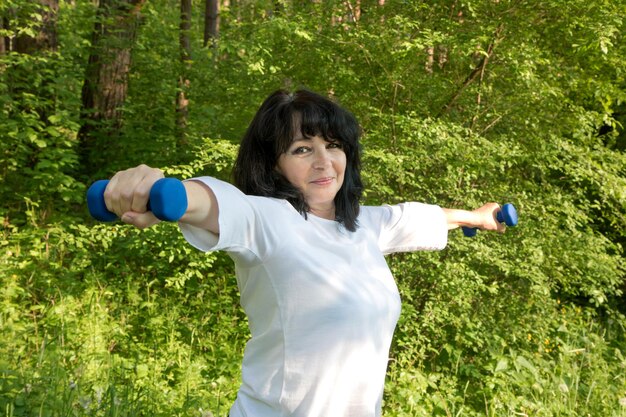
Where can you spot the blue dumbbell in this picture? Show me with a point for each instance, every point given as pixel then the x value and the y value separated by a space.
pixel 506 215
pixel 168 200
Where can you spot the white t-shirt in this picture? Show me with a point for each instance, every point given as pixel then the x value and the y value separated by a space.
pixel 321 302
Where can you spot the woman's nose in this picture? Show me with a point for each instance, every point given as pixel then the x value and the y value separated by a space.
pixel 322 159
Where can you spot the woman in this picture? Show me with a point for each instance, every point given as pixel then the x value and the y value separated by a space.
pixel 321 301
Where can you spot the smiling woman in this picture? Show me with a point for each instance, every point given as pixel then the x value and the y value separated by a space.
pixel 275 137
pixel 316 167
pixel 321 302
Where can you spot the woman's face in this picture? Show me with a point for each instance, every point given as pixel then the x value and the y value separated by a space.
pixel 316 167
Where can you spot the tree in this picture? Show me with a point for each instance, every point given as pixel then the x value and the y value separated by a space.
pixel 106 83
pixel 43 37
pixel 211 21
pixel 32 29
pixel 182 102
pixel 35 154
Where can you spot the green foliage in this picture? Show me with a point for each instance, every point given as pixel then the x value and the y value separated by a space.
pixel 99 330
pixel 36 157
pixel 95 329
pixel 108 321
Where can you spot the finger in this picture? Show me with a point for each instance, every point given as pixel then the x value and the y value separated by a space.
pixel 119 190
pixel 141 193
pixel 129 190
pixel 140 197
pixel 134 195
pixel 140 220
pixel 112 197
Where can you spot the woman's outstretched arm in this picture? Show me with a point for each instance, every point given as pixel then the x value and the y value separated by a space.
pixel 483 218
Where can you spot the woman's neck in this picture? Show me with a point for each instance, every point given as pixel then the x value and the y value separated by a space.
pixel 324 213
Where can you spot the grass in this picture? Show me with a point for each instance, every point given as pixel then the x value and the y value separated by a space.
pixel 89 328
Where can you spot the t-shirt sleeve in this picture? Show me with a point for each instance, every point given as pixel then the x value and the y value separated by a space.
pixel 409 227
pixel 239 224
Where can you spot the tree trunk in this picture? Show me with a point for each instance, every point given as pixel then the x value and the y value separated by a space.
pixel 211 21
pixel 353 11
pixel 430 59
pixel 182 103
pixel 46 35
pixel 4 40
pixel 106 82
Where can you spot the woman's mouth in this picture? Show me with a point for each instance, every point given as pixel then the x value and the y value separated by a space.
pixel 323 181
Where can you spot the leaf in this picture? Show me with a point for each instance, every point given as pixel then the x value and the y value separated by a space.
pixel 53 131
pixel 524 363
pixel 503 365
pixel 303 34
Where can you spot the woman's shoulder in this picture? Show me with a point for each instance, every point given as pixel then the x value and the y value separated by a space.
pixel 375 211
pixel 270 203
pixel 225 189
pixel 390 214
pixel 372 215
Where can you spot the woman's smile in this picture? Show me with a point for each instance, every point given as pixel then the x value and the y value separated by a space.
pixel 323 181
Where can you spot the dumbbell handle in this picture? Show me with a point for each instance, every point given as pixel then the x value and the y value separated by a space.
pixel 506 215
pixel 167 201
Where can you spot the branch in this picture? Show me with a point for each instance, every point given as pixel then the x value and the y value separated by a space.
pixel 478 70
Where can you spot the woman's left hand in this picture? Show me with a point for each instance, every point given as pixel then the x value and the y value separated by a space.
pixel 482 218
pixel 486 218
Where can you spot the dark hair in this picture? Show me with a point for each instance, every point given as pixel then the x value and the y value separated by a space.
pixel 271 133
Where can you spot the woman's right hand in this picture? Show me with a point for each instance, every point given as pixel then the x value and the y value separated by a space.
pixel 128 192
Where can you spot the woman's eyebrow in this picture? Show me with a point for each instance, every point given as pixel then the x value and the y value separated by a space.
pixel 302 138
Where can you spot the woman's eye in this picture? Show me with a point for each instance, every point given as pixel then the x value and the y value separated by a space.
pixel 300 150
pixel 335 145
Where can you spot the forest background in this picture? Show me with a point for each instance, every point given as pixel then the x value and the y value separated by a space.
pixel 461 102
